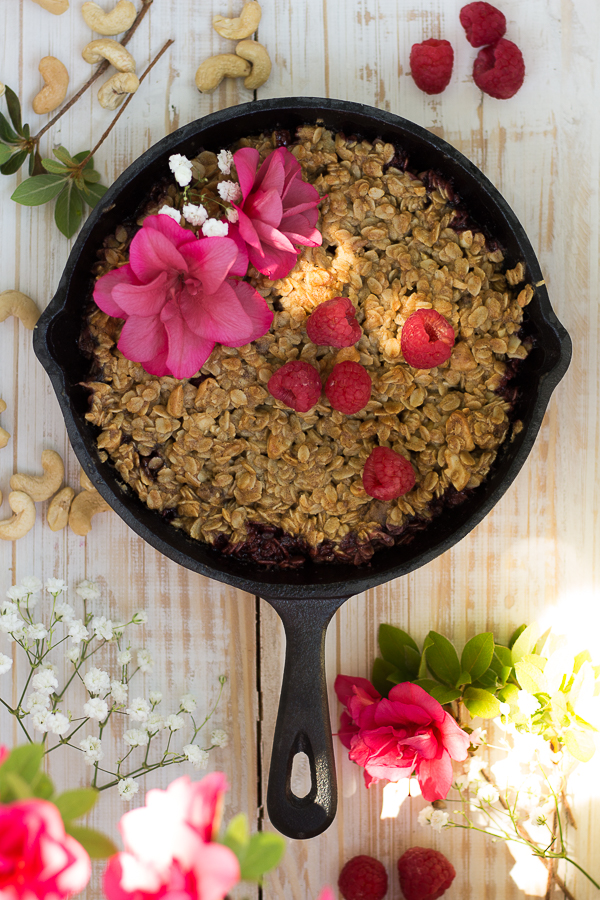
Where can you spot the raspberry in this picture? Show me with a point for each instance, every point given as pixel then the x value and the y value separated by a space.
pixel 297 384
pixel 499 71
pixel 427 339
pixel 431 65
pixel 333 323
pixel 424 874
pixel 348 388
pixel 387 475
pixel 483 23
pixel 363 878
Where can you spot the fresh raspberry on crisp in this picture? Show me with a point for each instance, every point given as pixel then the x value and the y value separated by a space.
pixel 363 878
pixel 427 339
pixel 431 65
pixel 483 23
pixel 425 874
pixel 297 384
pixel 348 388
pixel 333 323
pixel 499 70
pixel 387 475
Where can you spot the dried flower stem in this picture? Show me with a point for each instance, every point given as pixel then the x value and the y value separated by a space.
pixel 99 71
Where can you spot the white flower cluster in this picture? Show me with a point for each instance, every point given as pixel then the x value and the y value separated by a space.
pixel 436 818
pixel 169 211
pixel 229 191
pixel 181 167
pixel 215 228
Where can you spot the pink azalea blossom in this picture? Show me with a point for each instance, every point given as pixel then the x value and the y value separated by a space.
pixel 405 733
pixel 37 858
pixel 278 210
pixel 169 849
pixel 4 753
pixel 178 298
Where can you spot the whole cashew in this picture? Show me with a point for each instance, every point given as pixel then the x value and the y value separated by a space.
pixel 261 63
pixel 14 303
pixel 116 21
pixel 23 520
pixel 113 51
pixel 56 80
pixel 57 7
pixel 41 487
pixel 242 27
pixel 112 93
pixel 213 70
pixel 58 510
pixel 85 482
pixel 4 435
pixel 84 506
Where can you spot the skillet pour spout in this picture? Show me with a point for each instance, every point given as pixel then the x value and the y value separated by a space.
pixel 305 598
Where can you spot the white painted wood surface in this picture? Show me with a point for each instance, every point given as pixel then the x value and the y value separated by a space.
pixel 536 553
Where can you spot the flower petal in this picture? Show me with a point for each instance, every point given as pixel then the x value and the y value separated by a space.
pixel 209 260
pixel 257 310
pixel 413 694
pixel 272 237
pixel 152 252
pixel 188 351
pixel 217 870
pixel 171 230
pixel 265 206
pixel 142 299
pixel 246 161
pixel 272 262
pixel 435 776
pixel 240 267
pixel 142 338
pixel 271 175
pixel 219 317
pixel 455 740
pixel 103 289
pixel 299 230
pixel 344 688
pixel 247 230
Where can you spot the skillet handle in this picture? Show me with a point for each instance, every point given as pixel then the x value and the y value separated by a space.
pixel 303 724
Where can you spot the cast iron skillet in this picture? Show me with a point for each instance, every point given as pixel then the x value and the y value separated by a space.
pixel 306 599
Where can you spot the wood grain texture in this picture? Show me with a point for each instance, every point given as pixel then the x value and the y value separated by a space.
pixel 535 554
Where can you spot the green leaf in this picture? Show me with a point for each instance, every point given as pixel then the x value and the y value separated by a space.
pixel 97 844
pixel 265 851
pixel 14 163
pixel 56 168
pixel 68 210
pixel 93 193
pixel 76 803
pixel 500 669
pixel 580 745
pixel 38 189
pixel 516 633
pixel 237 836
pixel 6 132
pixel 529 676
pixel 438 691
pixel 26 131
pixel 580 659
pixel 14 787
pixel 64 156
pixel 477 654
pixel 91 176
pixel 525 642
pixel 481 703
pixel 463 678
pixel 504 654
pixel 379 675
pixel 442 659
pixel 42 786
pixel 5 154
pixel 24 761
pixel 14 109
pixel 79 158
pixel 397 647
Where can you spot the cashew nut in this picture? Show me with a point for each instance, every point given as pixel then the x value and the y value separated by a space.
pixel 242 27
pixel 56 80
pixel 23 520
pixel 57 7
pixel 85 482
pixel 261 63
pixel 58 510
pixel 41 487
pixel 213 70
pixel 112 93
pixel 84 506
pixel 113 51
pixel 2 88
pixel 14 303
pixel 4 435
pixel 116 21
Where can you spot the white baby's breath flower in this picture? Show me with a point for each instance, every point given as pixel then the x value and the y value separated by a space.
pixel 174 723
pixel 124 657
pixel 169 211
pixel 118 628
pixel 155 697
pixel 144 660
pixel 35 702
pixel 439 819
pixel 136 737
pixel 188 703
pixel 475 766
pixel 8 607
pixel 219 738
pixel 103 628
pixel 78 632
pixel 127 787
pixel 39 719
pixel 232 214
pixel 5 663
pixel 88 590
pixel 37 632
pixel 487 793
pixel 527 703
pixel 11 623
pixel 16 593
pixel 225 161
pixel 31 584
pixel 57 723
pixel 55 586
pixel 504 709
pixel 140 617
pixel 477 737
pixel 45 682
pixel 118 691
pixel 214 228
pixel 195 215
pixel 154 723
pixel 229 191
pixel 198 757
pixel 97 681
pixel 92 749
pixel 461 782
pixel 424 817
pixel 138 709
pixel 96 708
pixel 73 654
pixel 538 817
pixel 64 612
pixel 181 167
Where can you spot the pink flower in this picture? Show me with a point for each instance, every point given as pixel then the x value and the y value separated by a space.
pixel 168 846
pixel 37 859
pixel 4 753
pixel 178 298
pixel 278 210
pixel 405 733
